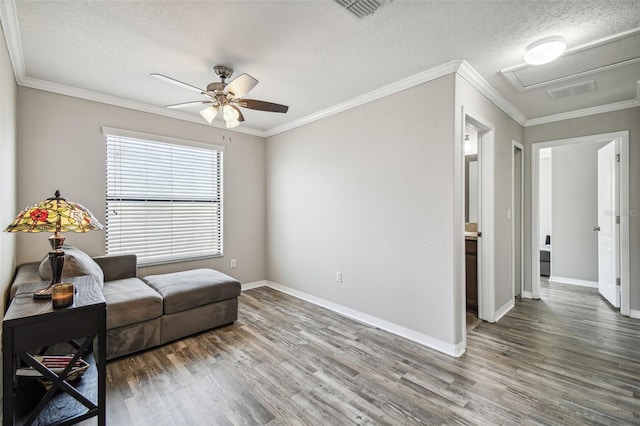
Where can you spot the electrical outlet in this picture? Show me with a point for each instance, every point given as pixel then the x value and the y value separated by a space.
pixel 233 264
pixel 339 276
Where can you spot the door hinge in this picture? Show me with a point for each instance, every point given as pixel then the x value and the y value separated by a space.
pixel 617 158
pixel 617 219
pixel 617 281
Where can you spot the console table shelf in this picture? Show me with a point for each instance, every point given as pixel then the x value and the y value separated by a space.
pixel 30 326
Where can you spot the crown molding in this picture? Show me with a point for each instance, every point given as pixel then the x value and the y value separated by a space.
pixel 585 112
pixel 414 80
pixel 124 103
pixel 471 75
pixel 9 20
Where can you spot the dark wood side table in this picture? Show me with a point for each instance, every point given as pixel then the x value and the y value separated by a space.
pixel 31 325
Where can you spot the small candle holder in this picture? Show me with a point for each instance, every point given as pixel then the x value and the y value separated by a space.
pixel 62 295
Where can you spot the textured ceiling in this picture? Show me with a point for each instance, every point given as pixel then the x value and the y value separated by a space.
pixel 310 55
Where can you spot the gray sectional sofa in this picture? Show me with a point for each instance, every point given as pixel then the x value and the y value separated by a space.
pixel 154 310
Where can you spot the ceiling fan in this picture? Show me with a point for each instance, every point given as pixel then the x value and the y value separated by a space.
pixel 225 96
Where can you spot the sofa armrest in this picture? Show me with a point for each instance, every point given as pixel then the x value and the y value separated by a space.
pixel 26 274
pixel 118 267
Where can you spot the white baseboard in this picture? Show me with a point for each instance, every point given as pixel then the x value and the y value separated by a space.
pixel 527 295
pixel 255 284
pixel 634 313
pixel 423 339
pixel 573 281
pixel 502 311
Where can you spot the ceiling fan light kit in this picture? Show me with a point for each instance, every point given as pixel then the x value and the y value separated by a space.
pixel 545 50
pixel 231 115
pixel 209 113
pixel 227 96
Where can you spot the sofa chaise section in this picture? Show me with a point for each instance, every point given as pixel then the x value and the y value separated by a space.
pixel 148 312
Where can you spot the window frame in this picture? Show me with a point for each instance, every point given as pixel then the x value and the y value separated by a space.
pixel 166 140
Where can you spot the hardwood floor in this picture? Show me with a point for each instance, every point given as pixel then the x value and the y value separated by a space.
pixel 565 359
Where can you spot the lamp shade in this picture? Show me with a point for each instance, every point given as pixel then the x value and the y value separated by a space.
pixel 54 215
pixel 209 113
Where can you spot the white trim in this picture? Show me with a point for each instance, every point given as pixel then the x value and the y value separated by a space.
pixel 535 221
pixel 623 138
pixel 515 81
pixel 14 45
pixel 126 103
pixel 634 313
pixel 254 284
pixel 476 80
pixel 527 295
pixel 573 281
pixel 486 216
pixel 420 78
pixel 504 309
pixel 515 144
pixel 585 112
pixel 423 339
pixel 9 19
pixel 625 277
pixel 158 138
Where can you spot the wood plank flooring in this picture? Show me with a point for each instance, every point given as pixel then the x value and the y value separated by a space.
pixel 563 360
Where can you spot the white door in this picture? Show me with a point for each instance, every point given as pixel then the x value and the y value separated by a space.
pixel 607 229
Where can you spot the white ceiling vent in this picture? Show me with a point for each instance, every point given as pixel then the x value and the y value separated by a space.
pixel 574 89
pixel 362 8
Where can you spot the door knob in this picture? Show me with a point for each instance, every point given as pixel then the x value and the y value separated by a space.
pixel 596 228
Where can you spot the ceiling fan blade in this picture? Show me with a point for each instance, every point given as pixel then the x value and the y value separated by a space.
pixel 241 85
pixel 188 104
pixel 262 105
pixel 177 82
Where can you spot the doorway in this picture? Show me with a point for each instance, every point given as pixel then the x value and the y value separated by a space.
pixel 484 226
pixel 621 192
pixel 517 218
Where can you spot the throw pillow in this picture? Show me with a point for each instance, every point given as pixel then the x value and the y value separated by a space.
pixel 76 263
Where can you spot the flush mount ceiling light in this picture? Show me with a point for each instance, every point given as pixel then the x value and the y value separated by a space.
pixel 545 50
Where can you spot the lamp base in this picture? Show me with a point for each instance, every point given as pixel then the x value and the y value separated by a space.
pixel 44 294
pixel 56 259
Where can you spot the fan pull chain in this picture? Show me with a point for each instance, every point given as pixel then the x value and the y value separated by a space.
pixel 226 137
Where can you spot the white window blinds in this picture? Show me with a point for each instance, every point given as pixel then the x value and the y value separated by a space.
pixel 163 200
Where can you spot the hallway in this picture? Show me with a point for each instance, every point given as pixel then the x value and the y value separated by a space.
pixel 569 351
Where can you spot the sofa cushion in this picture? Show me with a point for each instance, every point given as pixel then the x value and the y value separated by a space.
pixel 27 274
pixel 76 263
pixel 189 289
pixel 130 301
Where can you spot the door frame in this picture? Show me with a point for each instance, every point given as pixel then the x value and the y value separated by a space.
pixel 515 144
pixel 623 209
pixel 486 248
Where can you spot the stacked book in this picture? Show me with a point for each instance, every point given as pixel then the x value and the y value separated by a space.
pixel 57 364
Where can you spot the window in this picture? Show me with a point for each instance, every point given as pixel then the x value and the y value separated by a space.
pixel 163 197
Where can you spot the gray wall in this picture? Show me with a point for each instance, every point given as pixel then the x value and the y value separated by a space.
pixel 369 192
pixel 8 141
pixel 378 202
pixel 628 119
pixel 62 147
pixel 574 181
